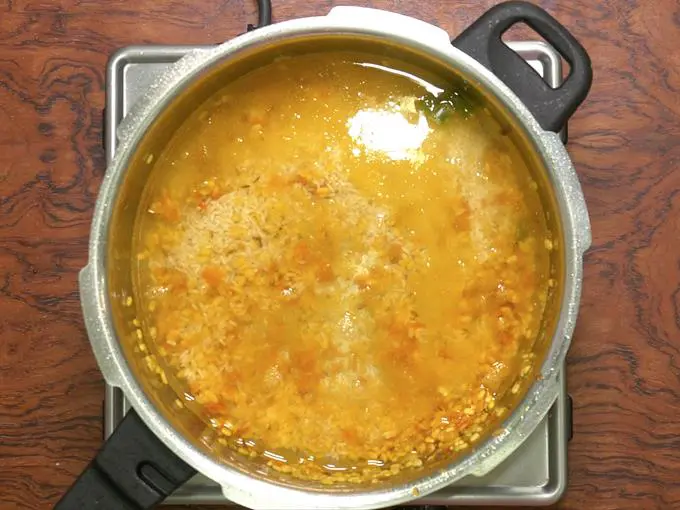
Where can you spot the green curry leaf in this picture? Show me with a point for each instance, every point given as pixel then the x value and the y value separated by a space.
pixel 448 104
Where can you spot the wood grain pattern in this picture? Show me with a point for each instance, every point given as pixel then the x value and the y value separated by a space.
pixel 624 365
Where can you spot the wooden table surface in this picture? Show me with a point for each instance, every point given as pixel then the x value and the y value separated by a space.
pixel 624 364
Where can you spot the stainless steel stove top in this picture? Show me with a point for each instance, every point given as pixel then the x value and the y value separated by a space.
pixel 535 474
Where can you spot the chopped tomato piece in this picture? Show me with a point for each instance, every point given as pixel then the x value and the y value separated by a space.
pixel 212 275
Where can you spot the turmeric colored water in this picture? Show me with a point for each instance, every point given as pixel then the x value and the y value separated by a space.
pixel 338 272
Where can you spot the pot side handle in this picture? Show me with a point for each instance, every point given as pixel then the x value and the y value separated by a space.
pixel 551 107
pixel 134 470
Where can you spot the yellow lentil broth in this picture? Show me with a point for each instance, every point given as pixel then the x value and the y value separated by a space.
pixel 342 282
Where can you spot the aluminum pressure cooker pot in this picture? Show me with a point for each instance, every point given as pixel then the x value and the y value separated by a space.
pixel 159 445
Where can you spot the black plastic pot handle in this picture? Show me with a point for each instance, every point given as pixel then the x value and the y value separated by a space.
pixel 551 107
pixel 134 470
